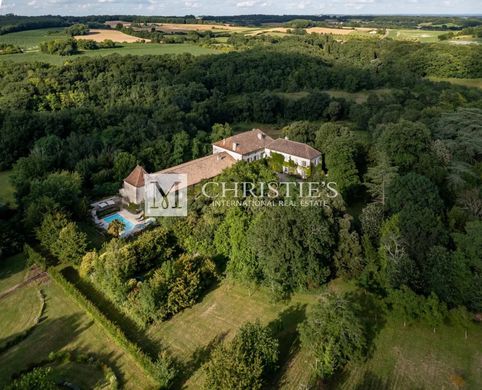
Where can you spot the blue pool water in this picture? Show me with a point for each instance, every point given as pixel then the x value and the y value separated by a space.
pixel 128 224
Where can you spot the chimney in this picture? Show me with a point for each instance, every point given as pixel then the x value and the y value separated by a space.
pixel 224 141
pixel 235 145
pixel 286 137
pixel 260 136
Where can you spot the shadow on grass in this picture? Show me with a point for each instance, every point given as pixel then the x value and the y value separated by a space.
pixel 199 357
pixel 50 335
pixel 284 327
pixel 129 327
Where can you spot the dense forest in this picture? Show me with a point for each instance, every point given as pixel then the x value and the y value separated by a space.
pixel 408 158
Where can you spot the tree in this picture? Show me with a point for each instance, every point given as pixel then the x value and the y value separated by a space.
pixel 301 131
pixel 38 378
pixel 62 47
pixel 48 232
pixel 220 131
pixel 379 177
pixel 116 227
pixel 71 244
pixel 124 163
pixel 413 189
pixel 62 238
pixel 400 268
pixel 348 256
pixel 371 220
pixel 77 29
pixel 245 362
pixel 293 246
pixel 333 335
pixel 404 143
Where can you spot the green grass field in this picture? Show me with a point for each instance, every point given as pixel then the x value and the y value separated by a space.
pixel 65 327
pixel 19 311
pixel 415 35
pixel 126 49
pixel 6 189
pixel 192 334
pixel 476 83
pixel 31 39
pixel 12 271
pixel 414 357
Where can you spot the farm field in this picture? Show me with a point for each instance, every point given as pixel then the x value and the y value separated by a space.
pixel 173 27
pixel 126 49
pixel 65 327
pixel 31 39
pixel 415 35
pixel 113 35
pixel 6 189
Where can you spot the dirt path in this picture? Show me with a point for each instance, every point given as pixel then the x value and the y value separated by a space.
pixel 38 275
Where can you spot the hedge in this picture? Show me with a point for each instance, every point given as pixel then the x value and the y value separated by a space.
pixel 144 361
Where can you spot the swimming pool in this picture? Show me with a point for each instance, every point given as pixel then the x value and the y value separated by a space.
pixel 128 224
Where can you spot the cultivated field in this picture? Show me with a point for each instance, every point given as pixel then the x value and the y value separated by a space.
pixel 65 327
pixel 113 35
pixel 175 27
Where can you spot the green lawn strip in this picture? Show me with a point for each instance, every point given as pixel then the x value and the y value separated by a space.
pixel 12 271
pixel 6 188
pixel 67 327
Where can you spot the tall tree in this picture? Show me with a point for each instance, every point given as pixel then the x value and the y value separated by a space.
pixel 333 335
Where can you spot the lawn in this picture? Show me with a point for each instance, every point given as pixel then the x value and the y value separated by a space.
pixel 65 326
pixel 31 39
pixel 6 188
pixel 126 49
pixel 192 334
pixel 12 271
pixel 414 357
pixel 19 311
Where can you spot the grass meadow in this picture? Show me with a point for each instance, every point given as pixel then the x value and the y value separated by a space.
pixel 64 327
pixel 126 49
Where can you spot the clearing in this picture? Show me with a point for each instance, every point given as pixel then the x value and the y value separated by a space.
pixel 176 27
pixel 113 35
pixel 475 83
pixel 65 327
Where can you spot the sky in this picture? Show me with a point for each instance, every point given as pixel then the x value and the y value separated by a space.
pixel 238 7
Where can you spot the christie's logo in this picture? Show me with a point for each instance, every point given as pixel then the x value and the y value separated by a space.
pixel 166 195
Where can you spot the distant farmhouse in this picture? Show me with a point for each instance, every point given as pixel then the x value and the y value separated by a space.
pixel 292 157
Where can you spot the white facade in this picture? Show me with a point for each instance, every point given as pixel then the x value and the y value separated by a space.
pixel 132 194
